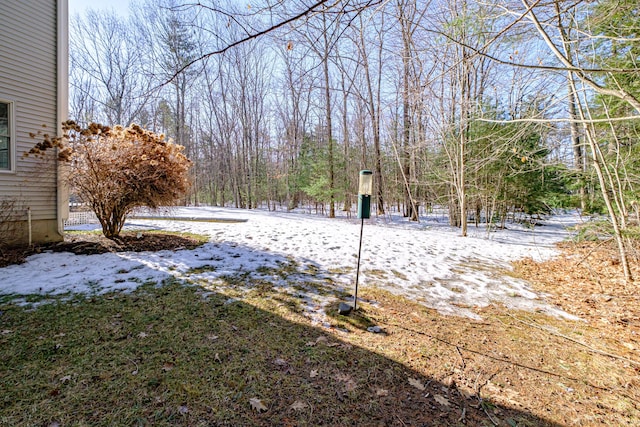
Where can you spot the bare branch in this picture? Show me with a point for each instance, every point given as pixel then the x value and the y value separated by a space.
pixel 581 73
pixel 562 120
pixel 306 12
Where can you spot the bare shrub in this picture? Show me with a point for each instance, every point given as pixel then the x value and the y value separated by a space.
pixel 9 211
pixel 117 170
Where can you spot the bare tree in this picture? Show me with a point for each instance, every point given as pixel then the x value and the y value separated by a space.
pixel 408 15
pixel 107 62
pixel 371 92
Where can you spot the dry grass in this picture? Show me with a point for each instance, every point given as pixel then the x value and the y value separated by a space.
pixel 177 355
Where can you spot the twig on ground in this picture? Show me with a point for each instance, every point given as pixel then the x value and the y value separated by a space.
pixel 593 250
pixel 588 347
pixel 481 403
pixel 484 408
pixel 400 419
pixel 463 415
pixel 464 365
pixel 498 359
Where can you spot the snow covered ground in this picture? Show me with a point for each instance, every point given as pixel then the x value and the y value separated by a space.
pixel 427 261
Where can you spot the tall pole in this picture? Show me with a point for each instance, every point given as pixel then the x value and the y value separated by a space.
pixel 365 188
pixel 355 297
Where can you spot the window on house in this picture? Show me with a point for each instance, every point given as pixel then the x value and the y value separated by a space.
pixel 5 136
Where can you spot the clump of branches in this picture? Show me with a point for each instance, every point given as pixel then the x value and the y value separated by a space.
pixel 115 170
pixel 9 206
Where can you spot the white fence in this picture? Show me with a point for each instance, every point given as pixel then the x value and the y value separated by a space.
pixel 80 218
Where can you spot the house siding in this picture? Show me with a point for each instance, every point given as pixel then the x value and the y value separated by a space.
pixel 29 79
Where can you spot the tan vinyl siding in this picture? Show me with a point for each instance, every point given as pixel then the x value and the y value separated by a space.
pixel 28 78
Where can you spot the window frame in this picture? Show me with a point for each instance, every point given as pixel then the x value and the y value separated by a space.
pixel 11 122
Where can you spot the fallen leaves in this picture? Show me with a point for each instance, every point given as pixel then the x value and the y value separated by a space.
pixel 585 281
pixel 441 400
pixel 280 362
pixel 347 381
pixel 417 384
pixel 382 392
pixel 508 395
pixel 283 365
pixel 325 341
pixel 257 405
pixel 320 340
pixel 298 405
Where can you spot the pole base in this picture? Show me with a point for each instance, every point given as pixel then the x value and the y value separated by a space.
pixel 344 309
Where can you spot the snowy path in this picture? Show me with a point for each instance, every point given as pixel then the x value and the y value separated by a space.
pixel 428 261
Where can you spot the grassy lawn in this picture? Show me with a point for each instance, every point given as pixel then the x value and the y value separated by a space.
pixel 175 354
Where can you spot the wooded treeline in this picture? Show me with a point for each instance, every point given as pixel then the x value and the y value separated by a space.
pixel 488 108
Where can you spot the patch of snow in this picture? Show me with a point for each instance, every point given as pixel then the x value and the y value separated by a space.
pixel 427 261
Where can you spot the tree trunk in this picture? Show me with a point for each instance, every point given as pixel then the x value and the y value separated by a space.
pixel 327 95
pixel 410 208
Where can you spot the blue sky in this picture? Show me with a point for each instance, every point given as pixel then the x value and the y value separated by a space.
pixel 79 6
